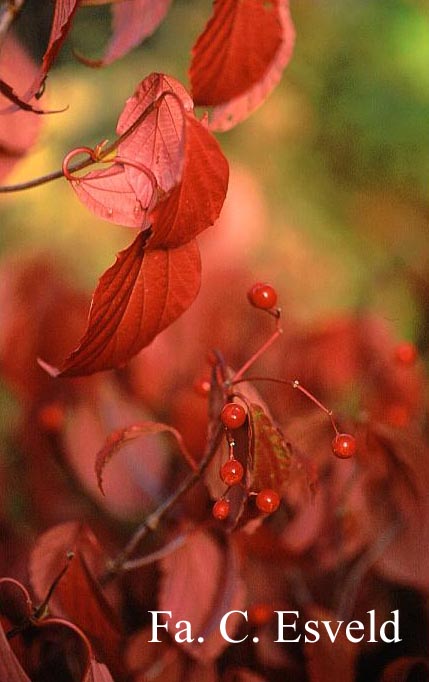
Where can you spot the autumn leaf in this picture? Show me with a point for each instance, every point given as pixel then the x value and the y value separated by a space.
pixel 61 24
pixel 157 111
pixel 120 437
pixel 108 194
pixel 239 58
pixel 18 129
pixel 202 566
pixel 196 202
pixel 406 669
pixel 270 456
pixel 91 611
pixel 136 298
pixel 133 21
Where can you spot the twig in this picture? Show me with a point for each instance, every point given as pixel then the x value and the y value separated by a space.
pixel 151 522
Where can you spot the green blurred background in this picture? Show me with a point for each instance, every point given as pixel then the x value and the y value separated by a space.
pixel 340 150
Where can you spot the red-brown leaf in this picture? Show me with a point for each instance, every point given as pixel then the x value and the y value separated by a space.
pixel 108 194
pixel 61 23
pixel 18 129
pixel 98 673
pixel 133 22
pixel 406 669
pixel 10 669
pixel 196 203
pixel 136 298
pixel 226 115
pixel 270 457
pixel 241 44
pixel 202 567
pixel 326 660
pixel 119 438
pixel 158 142
pixel 77 596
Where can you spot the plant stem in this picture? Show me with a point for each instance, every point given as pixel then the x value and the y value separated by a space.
pixel 55 175
pixel 151 522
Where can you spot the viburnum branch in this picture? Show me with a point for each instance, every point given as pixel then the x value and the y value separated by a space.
pixel 115 566
pixel 294 383
pixel 96 155
pixel 168 549
pixel 267 344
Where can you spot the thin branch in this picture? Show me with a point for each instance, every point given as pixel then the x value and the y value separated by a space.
pixel 100 152
pixel 152 521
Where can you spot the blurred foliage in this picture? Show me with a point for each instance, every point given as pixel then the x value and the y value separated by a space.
pixel 340 148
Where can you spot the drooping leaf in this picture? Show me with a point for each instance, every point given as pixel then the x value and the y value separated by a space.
pixel 108 194
pixel 61 24
pixel 119 438
pixel 18 129
pixel 136 298
pixel 270 456
pixel 98 673
pixel 157 110
pixel 91 610
pixel 240 56
pixel 196 202
pixel 9 93
pixel 202 567
pixel 133 21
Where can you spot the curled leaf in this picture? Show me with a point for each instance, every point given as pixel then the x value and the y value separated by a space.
pixel 120 437
pixel 270 456
pixel 239 58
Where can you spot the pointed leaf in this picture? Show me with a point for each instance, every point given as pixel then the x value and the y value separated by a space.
pixel 133 21
pixel 196 203
pixel 158 142
pixel 270 456
pixel 202 567
pixel 120 437
pixel 136 298
pixel 61 24
pixel 107 193
pixel 226 115
pixel 240 57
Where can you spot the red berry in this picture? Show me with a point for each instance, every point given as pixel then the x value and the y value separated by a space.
pixel 260 614
pixel 406 353
pixel 221 509
pixel 267 501
pixel 344 445
pixel 232 472
pixel 262 296
pixel 233 415
pixel 202 387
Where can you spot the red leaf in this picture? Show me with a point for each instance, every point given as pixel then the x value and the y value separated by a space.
pixel 406 669
pixel 61 23
pixel 196 203
pixel 18 129
pixel 159 139
pixel 98 673
pixel 326 660
pixel 133 22
pixel 108 194
pixel 90 611
pixel 7 91
pixel 10 669
pixel 239 58
pixel 270 456
pixel 136 298
pixel 202 567
pixel 118 438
